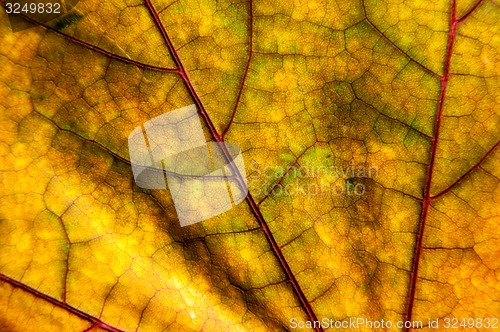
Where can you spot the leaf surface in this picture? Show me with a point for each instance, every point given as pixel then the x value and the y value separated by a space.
pixel 399 98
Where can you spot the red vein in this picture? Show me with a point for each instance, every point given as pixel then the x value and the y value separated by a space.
pixel 219 138
pixel 396 46
pixel 66 270
pixel 181 69
pixel 250 52
pixel 473 168
pixel 77 312
pixel 126 161
pixel 97 49
pixel 470 11
pixel 435 139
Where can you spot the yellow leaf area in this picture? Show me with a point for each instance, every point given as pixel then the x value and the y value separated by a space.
pixel 369 130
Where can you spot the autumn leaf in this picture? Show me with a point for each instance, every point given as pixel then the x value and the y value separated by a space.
pixel 370 134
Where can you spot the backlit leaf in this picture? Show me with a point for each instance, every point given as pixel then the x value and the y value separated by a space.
pixel 369 131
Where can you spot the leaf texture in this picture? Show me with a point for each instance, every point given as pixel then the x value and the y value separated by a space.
pixel 406 92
